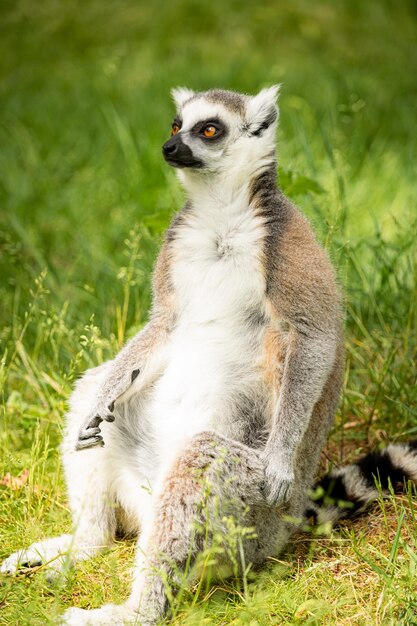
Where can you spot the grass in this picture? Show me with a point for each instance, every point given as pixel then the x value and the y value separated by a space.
pixel 84 199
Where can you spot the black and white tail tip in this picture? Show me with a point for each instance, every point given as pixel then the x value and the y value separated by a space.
pixel 348 490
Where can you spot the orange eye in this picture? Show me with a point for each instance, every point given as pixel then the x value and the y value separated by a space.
pixel 175 129
pixel 209 131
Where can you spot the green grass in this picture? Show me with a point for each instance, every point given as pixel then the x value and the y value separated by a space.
pixel 85 197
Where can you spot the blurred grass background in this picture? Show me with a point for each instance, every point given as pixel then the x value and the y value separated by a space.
pixel 85 198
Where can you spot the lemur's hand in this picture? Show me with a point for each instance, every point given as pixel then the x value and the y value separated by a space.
pixel 279 478
pixel 89 434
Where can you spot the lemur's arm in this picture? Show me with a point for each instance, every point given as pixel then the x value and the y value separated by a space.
pixel 139 362
pixel 302 291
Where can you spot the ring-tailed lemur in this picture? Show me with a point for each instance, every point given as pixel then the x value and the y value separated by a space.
pixel 234 381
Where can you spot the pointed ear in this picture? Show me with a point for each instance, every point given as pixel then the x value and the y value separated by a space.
pixel 262 110
pixel 180 95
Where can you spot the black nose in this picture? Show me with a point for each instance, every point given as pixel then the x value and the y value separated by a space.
pixel 170 148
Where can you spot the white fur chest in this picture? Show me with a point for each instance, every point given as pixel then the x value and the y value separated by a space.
pixel 216 269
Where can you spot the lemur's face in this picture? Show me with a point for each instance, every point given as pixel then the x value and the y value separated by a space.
pixel 215 130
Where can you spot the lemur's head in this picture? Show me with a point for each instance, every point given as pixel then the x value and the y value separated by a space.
pixel 220 131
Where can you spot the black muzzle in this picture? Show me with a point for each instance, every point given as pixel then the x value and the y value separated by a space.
pixel 178 154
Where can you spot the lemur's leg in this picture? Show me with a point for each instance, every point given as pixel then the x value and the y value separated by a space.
pixel 211 497
pixel 90 501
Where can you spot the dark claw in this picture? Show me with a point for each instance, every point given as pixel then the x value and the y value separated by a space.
pixel 109 418
pixel 89 443
pixel 111 407
pixel 135 374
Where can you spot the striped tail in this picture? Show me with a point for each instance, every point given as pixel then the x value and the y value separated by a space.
pixel 347 491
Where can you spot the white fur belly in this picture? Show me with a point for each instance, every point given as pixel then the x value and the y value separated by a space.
pixel 209 370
